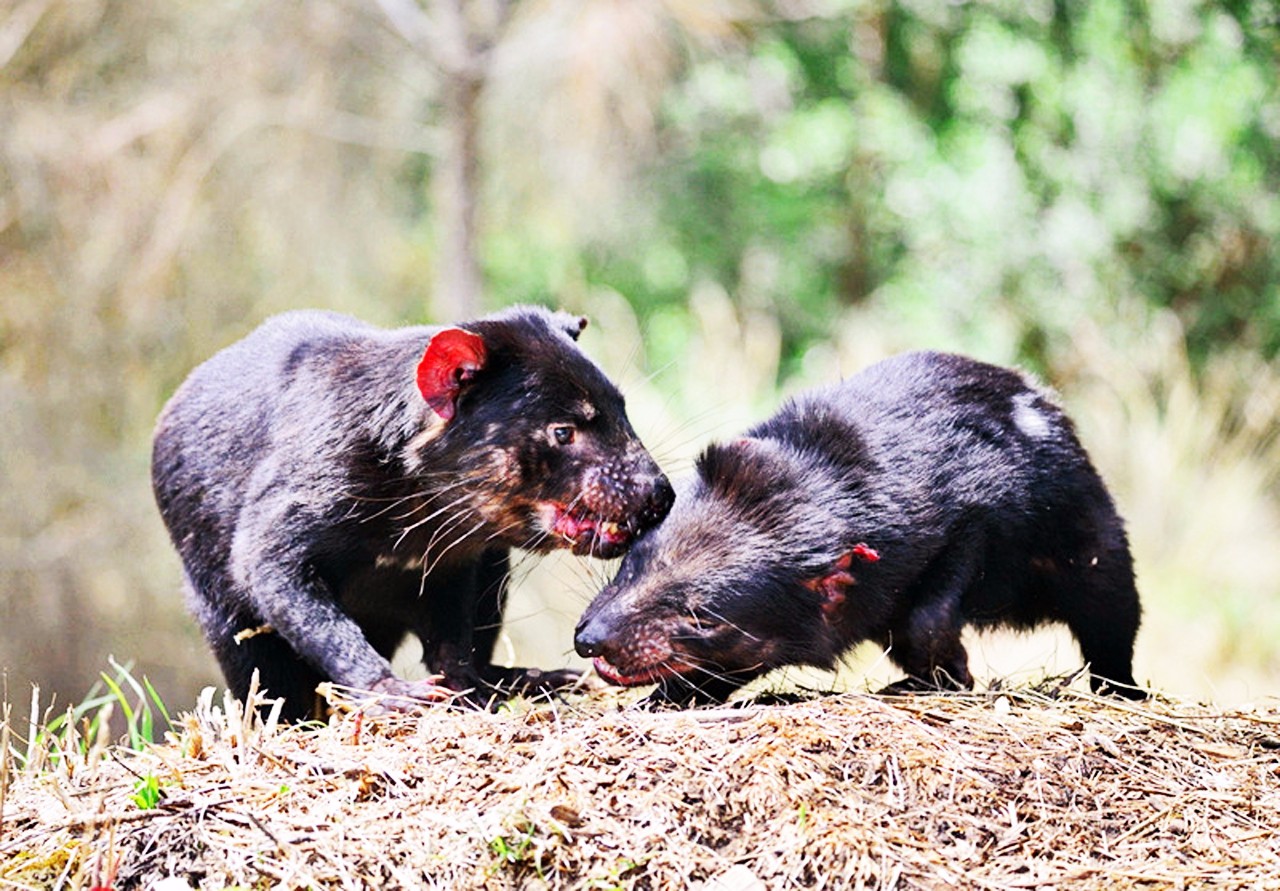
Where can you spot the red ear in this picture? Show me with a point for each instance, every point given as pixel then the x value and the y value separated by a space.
pixel 865 552
pixel 834 585
pixel 451 359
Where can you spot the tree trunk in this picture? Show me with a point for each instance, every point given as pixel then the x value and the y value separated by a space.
pixel 457 38
pixel 458 285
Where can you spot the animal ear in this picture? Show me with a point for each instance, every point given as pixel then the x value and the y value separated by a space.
pixel 746 471
pixel 835 585
pixel 451 359
pixel 571 324
pixel 719 460
pixel 863 552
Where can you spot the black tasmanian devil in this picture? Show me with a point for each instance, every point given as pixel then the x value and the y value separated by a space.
pixel 332 487
pixel 927 493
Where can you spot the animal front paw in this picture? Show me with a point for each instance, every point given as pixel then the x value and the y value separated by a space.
pixel 939 682
pixel 393 694
pixel 681 691
pixel 529 681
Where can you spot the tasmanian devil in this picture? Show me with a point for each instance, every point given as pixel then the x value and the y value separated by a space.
pixel 332 487
pixel 927 493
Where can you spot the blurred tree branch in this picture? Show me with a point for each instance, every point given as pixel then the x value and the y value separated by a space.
pixel 22 20
pixel 457 41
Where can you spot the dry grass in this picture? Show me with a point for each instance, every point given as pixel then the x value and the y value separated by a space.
pixel 1016 789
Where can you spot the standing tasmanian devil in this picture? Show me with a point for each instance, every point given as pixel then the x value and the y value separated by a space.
pixel 332 487
pixel 927 493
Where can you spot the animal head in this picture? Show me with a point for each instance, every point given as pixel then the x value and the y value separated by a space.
pixel 746 574
pixel 539 433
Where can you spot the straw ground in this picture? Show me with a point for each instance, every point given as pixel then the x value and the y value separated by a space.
pixel 1022 788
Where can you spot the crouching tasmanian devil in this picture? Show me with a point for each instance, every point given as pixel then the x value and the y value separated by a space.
pixel 927 493
pixel 332 487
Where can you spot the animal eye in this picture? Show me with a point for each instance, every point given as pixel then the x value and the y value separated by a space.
pixel 706 625
pixel 563 434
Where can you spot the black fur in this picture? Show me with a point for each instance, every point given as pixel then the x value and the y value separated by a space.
pixel 927 493
pixel 309 486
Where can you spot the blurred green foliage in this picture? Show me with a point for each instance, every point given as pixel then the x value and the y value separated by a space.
pixel 745 196
pixel 985 171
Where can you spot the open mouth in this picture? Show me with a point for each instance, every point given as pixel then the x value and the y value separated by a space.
pixel 614 675
pixel 585 534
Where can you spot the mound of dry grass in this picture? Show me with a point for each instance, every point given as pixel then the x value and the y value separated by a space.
pixel 1015 789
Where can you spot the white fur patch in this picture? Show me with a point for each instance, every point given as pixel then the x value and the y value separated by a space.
pixel 1029 418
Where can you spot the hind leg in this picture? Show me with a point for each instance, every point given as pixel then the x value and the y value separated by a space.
pixel 281 672
pixel 1100 606
pixel 1083 576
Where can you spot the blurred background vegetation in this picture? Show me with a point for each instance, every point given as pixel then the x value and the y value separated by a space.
pixel 746 198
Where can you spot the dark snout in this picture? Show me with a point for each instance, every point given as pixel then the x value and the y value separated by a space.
pixel 629 645
pixel 590 637
pixel 647 499
pixel 617 506
pixel 599 625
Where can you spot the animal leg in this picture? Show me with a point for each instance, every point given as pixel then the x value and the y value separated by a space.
pixel 681 692
pixel 287 591
pixel 1099 603
pixel 446 626
pixel 926 641
pixel 282 673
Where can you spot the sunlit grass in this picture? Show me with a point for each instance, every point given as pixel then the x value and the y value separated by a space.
pixel 74 739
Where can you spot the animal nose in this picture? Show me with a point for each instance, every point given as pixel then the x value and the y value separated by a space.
pixel 661 497
pixel 589 638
